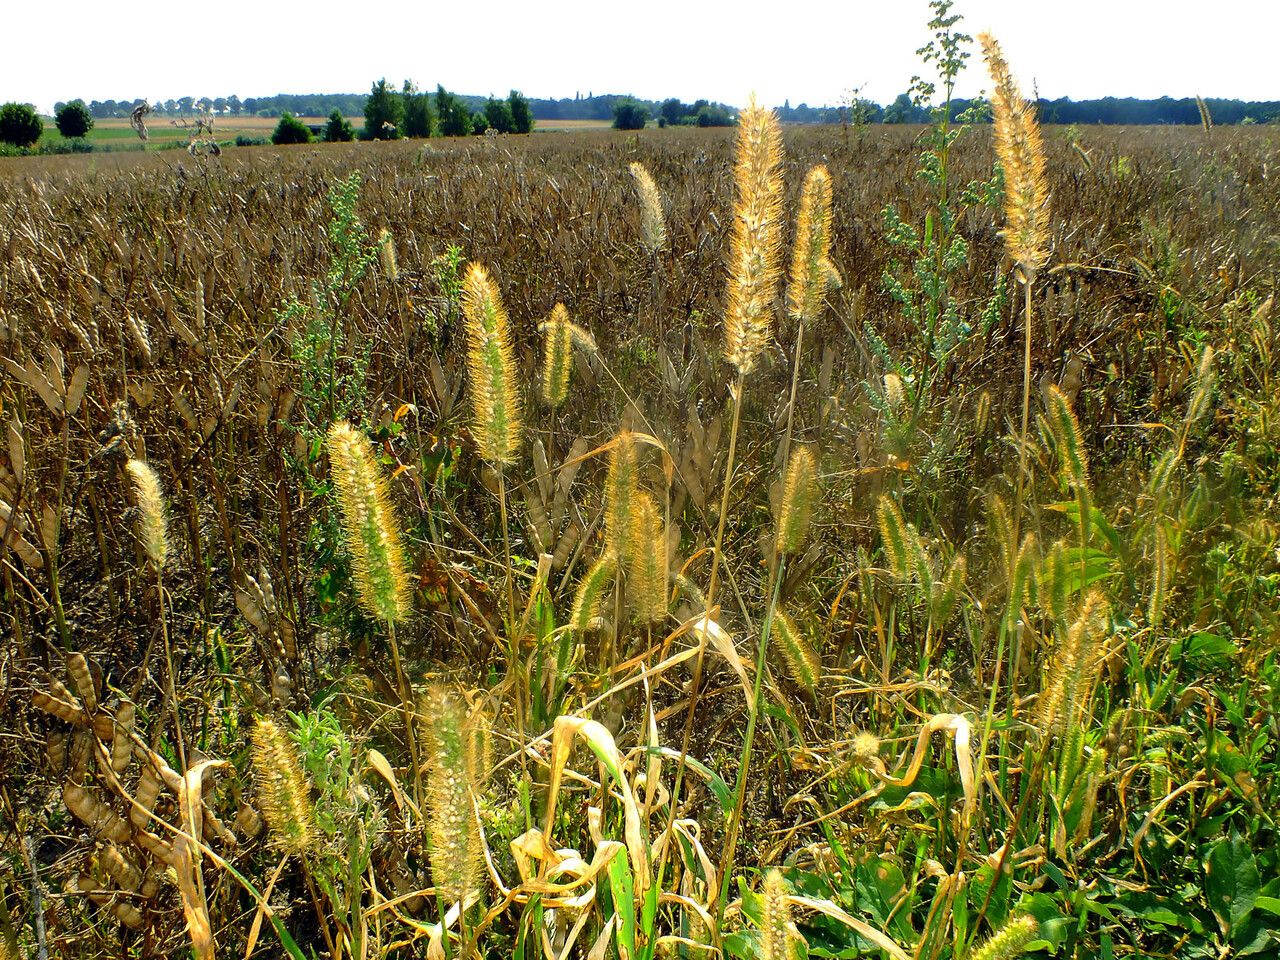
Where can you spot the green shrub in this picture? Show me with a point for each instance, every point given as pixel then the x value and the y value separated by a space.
pixel 498 115
pixel 629 115
pixel 521 112
pixel 338 129
pixel 20 125
pixel 74 119
pixel 244 141
pixel 290 130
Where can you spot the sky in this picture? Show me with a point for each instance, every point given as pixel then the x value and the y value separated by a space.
pixel 811 51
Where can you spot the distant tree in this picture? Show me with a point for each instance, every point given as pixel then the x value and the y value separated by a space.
pixel 383 113
pixel 521 112
pixel 338 129
pixel 672 111
pixel 454 115
pixel 73 119
pixel 185 104
pixel 251 106
pixel 714 115
pixel 219 104
pixel 629 115
pixel 20 125
pixel 904 110
pixel 290 130
pixel 479 124
pixel 417 112
pixel 498 115
pixel 234 105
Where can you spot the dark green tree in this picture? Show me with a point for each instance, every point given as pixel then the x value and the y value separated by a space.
pixel 714 115
pixel 498 115
pixel 74 119
pixel 454 116
pixel 418 119
pixel 521 112
pixel 479 124
pixel 290 130
pixel 672 110
pixel 20 125
pixel 338 129
pixel 629 115
pixel 383 113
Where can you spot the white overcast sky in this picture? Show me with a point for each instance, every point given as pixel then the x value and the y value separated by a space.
pixel 803 50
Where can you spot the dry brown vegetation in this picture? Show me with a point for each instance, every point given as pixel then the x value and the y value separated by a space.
pixel 186 314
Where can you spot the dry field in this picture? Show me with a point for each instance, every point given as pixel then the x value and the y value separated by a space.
pixel 271 685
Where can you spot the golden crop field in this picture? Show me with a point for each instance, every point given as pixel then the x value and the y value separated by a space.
pixel 678 543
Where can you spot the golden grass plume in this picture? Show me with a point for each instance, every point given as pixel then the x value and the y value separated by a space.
pixel 757 236
pixel 369 525
pixel 497 413
pixel 1020 148
pixel 653 224
pixel 153 527
pixel 799 496
pixel 812 272
pixel 284 795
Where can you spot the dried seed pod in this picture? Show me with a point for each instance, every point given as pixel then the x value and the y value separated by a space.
pixel 118 867
pixel 97 815
pixel 62 709
pixel 122 739
pixel 104 728
pixel 144 797
pixel 80 674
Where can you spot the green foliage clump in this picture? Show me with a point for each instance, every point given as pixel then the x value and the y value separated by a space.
pixel 20 125
pixel 418 119
pixel 454 115
pixel 290 130
pixel 521 112
pixel 383 113
pixel 338 129
pixel 629 115
pixel 74 119
pixel 497 115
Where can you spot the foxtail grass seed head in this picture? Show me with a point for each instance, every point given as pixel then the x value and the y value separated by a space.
pixel 653 224
pixel 284 795
pixel 1065 429
pixel 450 814
pixel 757 236
pixel 591 590
pixel 369 525
pixel 799 496
pixel 647 566
pixel 895 393
pixel 153 527
pixel 557 357
pixel 946 592
pixel 775 918
pixel 896 538
pixel 1009 941
pixel 812 272
pixel 1020 149
pixel 803 662
pixel 387 255
pixel 1075 668
pixel 497 414
pixel 620 486
pixel 866 746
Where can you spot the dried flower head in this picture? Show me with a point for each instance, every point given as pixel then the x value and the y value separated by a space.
pixel 653 225
pixel 757 236
pixel 497 414
pixel 799 495
pixel 812 272
pixel 1020 149
pixel 152 523
pixel 369 525
pixel 284 794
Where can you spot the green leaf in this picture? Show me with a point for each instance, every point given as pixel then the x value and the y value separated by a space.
pixel 1231 882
